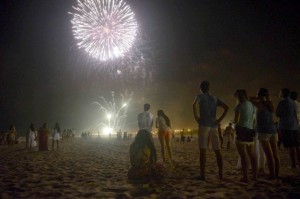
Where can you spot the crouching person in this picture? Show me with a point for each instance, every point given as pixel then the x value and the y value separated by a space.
pixel 143 158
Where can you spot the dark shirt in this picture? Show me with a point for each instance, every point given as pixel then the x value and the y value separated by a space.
pixel 286 111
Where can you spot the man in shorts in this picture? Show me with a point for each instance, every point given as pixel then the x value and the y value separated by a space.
pixel 288 125
pixel 205 115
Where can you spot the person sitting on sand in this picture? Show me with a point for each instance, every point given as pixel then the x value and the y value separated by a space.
pixel 164 133
pixel 143 158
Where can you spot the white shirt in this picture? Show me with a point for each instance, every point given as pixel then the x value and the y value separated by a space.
pixel 145 121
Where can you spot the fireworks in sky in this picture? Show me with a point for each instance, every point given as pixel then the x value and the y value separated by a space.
pixel 114 114
pixel 105 29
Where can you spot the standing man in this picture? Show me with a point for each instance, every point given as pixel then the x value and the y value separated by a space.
pixel 145 119
pixel 288 125
pixel 208 125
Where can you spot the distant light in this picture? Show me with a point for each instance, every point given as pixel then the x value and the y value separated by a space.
pixel 107 130
pixel 119 72
pixel 108 116
pixel 124 105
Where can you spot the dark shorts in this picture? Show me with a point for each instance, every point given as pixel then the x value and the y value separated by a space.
pixel 244 134
pixel 290 138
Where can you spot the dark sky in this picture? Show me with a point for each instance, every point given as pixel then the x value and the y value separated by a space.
pixel 232 44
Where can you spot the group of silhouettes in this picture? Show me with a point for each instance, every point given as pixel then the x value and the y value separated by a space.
pixel 40 136
pixel 35 137
pixel 254 117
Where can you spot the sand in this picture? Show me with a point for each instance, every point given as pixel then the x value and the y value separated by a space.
pixel 97 168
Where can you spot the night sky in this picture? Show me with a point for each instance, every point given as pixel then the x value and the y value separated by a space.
pixel 44 77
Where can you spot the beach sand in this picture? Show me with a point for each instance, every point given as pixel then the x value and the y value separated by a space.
pixel 97 168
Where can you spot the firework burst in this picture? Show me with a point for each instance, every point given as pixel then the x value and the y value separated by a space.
pixel 105 29
pixel 115 114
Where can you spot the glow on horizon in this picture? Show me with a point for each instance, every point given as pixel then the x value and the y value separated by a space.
pixel 107 130
pixel 105 29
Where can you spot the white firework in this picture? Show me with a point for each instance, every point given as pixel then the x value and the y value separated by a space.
pixel 105 29
pixel 115 114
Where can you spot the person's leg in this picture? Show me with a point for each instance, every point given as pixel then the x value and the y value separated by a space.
pixel 269 154
pixel 52 144
pixel 251 153
pixel 208 142
pixel 202 163
pixel 168 144
pixel 221 141
pixel 260 157
pixel 57 141
pixel 162 144
pixel 220 163
pixel 242 152
pixel 297 145
pixel 273 143
pixel 228 142
pixel 288 143
pixel 202 143
pixel 292 152
pixel 215 141
pixel 30 143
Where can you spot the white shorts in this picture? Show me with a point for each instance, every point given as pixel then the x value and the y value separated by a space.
pixel 267 136
pixel 212 132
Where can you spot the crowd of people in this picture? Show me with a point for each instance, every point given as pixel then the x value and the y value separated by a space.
pixel 254 118
pixel 37 137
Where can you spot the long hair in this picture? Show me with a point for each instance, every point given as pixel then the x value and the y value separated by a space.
pixel 31 127
pixel 142 138
pixel 263 92
pixel 56 127
pixel 241 94
pixel 162 114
